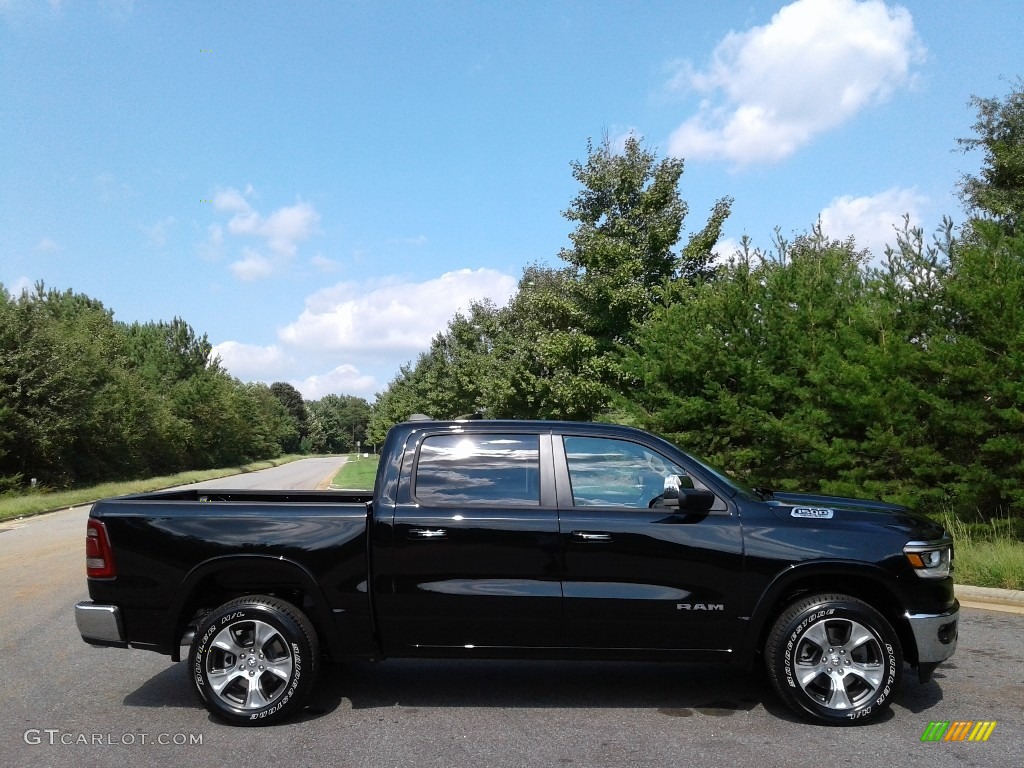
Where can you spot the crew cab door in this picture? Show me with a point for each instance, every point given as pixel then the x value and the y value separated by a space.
pixel 474 560
pixel 638 575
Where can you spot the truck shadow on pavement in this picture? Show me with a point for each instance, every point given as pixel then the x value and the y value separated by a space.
pixel 677 690
pixel 670 689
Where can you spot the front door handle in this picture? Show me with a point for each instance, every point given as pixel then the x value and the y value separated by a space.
pixel 593 538
pixel 428 533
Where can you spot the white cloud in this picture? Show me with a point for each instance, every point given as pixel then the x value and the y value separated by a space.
pixel 213 248
pixel 251 361
pixel 287 226
pixel 252 266
pixel 725 249
pixel 157 233
pixel 394 317
pixel 617 137
pixel 20 285
pixel 281 231
pixel 816 64
pixel 46 245
pixel 365 325
pixel 322 264
pixel 231 200
pixel 872 220
pixel 345 379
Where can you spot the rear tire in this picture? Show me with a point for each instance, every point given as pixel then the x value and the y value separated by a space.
pixel 834 659
pixel 254 660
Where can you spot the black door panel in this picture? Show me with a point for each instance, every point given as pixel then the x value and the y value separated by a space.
pixel 475 559
pixel 637 576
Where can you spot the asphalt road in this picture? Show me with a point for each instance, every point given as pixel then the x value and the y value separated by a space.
pixel 295 475
pixel 65 703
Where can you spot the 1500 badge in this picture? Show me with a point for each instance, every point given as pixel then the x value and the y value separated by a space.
pixel 815 513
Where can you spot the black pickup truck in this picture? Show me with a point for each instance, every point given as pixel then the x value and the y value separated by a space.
pixel 515 539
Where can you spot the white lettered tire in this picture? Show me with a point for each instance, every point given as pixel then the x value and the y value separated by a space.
pixel 254 660
pixel 834 659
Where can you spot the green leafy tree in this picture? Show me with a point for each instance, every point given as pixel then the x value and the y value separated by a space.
pixel 291 400
pixel 58 368
pixel 316 439
pixel 404 396
pixel 343 419
pixel 978 381
pixel 544 363
pixel 272 429
pixel 550 353
pixel 997 192
pixel 779 370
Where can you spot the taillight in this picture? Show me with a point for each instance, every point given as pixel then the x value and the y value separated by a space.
pixel 99 558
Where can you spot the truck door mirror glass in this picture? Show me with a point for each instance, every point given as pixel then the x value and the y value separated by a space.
pixel 672 487
pixel 679 492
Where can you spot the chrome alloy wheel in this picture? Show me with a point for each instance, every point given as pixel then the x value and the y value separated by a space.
pixel 248 664
pixel 839 663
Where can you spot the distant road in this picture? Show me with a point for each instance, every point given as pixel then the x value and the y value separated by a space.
pixel 305 474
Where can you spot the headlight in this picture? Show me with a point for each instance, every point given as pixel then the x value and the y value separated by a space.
pixel 930 559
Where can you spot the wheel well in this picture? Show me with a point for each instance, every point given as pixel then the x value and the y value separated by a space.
pixel 869 590
pixel 239 580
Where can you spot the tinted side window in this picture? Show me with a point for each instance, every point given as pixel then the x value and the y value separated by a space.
pixel 609 472
pixel 487 470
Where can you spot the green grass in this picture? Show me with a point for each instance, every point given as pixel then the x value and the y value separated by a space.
pixel 357 473
pixel 987 554
pixel 36 502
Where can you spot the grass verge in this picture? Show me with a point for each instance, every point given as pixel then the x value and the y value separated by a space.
pixel 987 555
pixel 357 473
pixel 47 501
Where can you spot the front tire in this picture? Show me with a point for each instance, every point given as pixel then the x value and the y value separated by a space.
pixel 254 660
pixel 834 659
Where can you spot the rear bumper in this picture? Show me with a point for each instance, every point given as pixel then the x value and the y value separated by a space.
pixel 935 634
pixel 100 624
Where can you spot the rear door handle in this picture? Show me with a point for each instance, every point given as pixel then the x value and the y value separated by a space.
pixel 428 533
pixel 593 538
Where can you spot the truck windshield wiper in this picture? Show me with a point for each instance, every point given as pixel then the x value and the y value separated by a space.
pixel 763 492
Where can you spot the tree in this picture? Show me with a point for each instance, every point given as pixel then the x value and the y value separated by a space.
pixel 629 216
pixel 403 397
pixel 551 352
pixel 343 421
pixel 168 352
pixel 778 371
pixel 544 362
pixel 979 383
pixel 997 192
pixel 272 430
pixel 58 369
pixel 291 399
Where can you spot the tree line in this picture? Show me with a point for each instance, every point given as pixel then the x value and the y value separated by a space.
pixel 806 365
pixel 85 399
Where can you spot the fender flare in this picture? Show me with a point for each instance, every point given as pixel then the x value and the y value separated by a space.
pixel 835 570
pixel 277 567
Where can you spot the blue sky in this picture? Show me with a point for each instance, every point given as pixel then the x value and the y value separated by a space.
pixel 320 186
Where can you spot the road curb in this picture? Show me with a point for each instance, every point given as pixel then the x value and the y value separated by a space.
pixel 993 599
